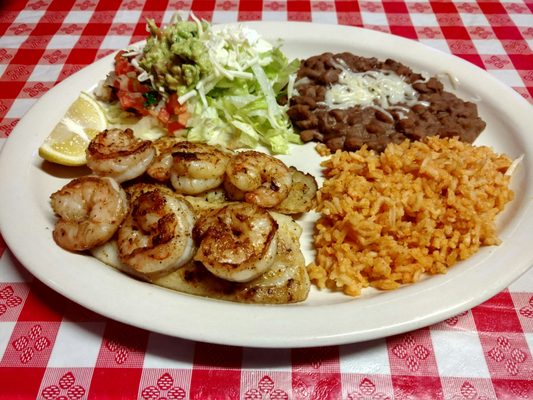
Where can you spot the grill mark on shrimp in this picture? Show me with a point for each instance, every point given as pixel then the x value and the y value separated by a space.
pixel 237 242
pixel 156 237
pixel 119 154
pixel 257 178
pixel 90 210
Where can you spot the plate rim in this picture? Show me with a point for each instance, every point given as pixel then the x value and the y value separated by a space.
pixel 251 336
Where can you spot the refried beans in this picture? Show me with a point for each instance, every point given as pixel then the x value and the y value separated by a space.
pixel 407 105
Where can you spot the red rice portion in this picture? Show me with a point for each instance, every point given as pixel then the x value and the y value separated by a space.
pixel 418 207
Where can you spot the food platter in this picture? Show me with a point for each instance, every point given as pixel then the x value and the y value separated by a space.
pixel 26 220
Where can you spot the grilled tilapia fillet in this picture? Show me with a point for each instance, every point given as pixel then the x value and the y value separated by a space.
pixel 285 282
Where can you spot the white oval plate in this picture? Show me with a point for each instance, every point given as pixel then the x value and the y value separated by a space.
pixel 26 220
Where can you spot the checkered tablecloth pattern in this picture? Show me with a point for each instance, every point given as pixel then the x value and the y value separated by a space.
pixel 51 348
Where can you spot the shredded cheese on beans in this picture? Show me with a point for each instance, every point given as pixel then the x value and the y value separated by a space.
pixel 381 88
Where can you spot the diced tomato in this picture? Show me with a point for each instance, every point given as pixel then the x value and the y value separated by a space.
pixel 174 107
pixel 174 115
pixel 132 101
pixel 174 126
pixel 163 116
pixel 123 64
pixel 173 104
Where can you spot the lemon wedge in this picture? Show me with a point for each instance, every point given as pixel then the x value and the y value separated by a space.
pixel 67 142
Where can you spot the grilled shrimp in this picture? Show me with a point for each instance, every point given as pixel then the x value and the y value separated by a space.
pixel 134 191
pixel 257 178
pixel 192 168
pixel 90 210
pixel 156 236
pixel 119 154
pixel 160 167
pixel 197 167
pixel 302 195
pixel 237 242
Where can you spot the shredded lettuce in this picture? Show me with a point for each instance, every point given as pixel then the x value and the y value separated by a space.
pixel 233 94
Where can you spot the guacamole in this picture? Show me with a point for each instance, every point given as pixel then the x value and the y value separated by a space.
pixel 175 56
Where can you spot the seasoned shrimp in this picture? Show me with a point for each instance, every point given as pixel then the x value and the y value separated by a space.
pixel 160 167
pixel 156 236
pixel 192 168
pixel 197 167
pixel 119 154
pixel 134 191
pixel 258 178
pixel 302 195
pixel 90 210
pixel 237 242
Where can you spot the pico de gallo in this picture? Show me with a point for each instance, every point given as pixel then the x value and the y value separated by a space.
pixel 139 97
pixel 214 86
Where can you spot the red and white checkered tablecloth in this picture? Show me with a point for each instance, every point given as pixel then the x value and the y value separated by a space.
pixel 52 348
